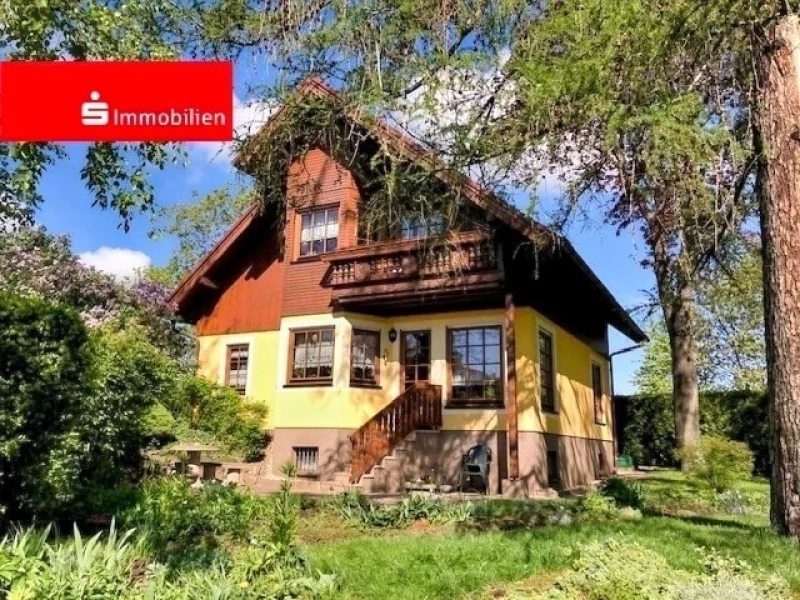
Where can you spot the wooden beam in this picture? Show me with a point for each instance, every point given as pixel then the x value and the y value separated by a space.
pixel 511 387
pixel 205 281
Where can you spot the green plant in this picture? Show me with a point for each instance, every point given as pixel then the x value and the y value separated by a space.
pixel 624 492
pixel 619 569
pixel 718 462
pixel 170 515
pixel 45 377
pixel 207 406
pixel 647 427
pixel 596 506
pixel 733 501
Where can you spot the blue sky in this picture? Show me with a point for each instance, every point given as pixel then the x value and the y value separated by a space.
pixel 67 209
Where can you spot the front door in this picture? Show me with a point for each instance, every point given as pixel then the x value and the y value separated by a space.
pixel 416 353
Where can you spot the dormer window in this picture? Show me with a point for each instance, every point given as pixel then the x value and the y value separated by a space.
pixel 319 231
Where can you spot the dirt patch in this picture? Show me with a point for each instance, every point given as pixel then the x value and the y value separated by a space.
pixel 517 590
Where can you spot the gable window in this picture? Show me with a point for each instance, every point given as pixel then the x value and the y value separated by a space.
pixel 365 355
pixel 475 362
pixel 597 394
pixel 312 355
pixel 319 231
pixel 547 371
pixel 414 228
pixel 236 375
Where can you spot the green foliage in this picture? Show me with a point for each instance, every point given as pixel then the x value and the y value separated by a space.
pixel 357 510
pixel 620 569
pixel 647 424
pixel 624 492
pixel 717 462
pixel 130 374
pixel 207 406
pixel 117 175
pixel 110 565
pixel 170 515
pixel 196 225
pixel 594 506
pixel 44 380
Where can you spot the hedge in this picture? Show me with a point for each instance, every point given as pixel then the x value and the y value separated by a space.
pixel 646 426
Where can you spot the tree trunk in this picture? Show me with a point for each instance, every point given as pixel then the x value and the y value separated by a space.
pixel 685 393
pixel 778 134
pixel 675 294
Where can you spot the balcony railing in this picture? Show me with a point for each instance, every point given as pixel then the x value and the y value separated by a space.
pixel 412 260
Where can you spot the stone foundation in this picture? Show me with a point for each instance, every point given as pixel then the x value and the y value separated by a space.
pixel 436 456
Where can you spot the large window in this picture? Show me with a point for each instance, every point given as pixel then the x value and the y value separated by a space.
pixel 312 355
pixel 547 372
pixel 364 360
pixel 597 393
pixel 319 231
pixel 236 376
pixel 475 360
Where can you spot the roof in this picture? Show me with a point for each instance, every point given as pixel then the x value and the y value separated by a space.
pixel 413 152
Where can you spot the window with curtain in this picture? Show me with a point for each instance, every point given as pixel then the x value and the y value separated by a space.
pixel 547 372
pixel 238 357
pixel 365 357
pixel 312 355
pixel 476 368
pixel 319 231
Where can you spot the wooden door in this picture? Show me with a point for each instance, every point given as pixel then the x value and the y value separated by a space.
pixel 416 355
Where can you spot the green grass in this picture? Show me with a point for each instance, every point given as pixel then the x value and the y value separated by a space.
pixel 450 563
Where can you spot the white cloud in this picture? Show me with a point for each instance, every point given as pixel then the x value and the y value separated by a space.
pixel 122 263
pixel 247 119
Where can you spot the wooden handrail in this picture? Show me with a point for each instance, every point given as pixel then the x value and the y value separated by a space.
pixel 419 407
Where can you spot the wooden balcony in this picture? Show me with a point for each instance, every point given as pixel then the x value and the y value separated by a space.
pixel 465 268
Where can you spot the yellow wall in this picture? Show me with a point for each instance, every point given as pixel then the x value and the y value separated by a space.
pixel 574 398
pixel 340 406
pixel 261 375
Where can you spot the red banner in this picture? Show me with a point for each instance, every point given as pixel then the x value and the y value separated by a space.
pixel 123 101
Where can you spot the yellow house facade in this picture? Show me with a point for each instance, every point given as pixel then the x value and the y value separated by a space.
pixel 383 362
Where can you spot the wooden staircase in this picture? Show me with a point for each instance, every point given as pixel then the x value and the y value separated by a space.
pixel 419 407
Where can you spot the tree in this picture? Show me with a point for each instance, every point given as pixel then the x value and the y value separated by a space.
pixel 729 321
pixel 115 174
pixel 36 264
pixel 776 43
pixel 197 225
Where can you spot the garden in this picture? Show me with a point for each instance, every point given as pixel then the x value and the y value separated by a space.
pixel 663 534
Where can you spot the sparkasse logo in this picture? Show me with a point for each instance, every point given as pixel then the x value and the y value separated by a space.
pixel 116 101
pixel 94 113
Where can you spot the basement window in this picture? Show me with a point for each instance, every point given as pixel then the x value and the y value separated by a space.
pixel 306 460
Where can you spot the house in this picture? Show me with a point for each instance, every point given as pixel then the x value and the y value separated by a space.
pixel 384 360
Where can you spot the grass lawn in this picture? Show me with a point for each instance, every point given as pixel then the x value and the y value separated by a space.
pixel 443 562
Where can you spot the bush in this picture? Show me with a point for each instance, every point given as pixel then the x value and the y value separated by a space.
pixel 647 427
pixel 45 365
pixel 130 374
pixel 170 515
pixel 624 492
pixel 717 462
pixel 216 409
